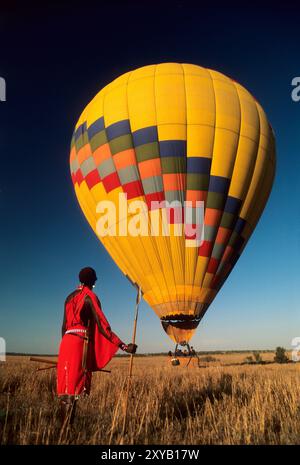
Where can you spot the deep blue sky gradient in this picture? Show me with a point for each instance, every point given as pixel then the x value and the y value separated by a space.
pixel 55 60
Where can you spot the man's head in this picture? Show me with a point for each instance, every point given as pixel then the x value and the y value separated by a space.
pixel 87 276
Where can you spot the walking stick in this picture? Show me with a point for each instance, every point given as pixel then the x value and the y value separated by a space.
pixel 53 363
pixel 43 360
pixel 138 299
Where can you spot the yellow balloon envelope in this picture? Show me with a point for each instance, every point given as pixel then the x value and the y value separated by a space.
pixel 161 144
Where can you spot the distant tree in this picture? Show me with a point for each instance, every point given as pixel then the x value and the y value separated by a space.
pixel 280 355
pixel 257 357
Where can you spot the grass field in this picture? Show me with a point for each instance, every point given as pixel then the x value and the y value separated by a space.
pixel 219 403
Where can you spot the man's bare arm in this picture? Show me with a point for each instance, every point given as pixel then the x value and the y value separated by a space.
pixel 63 328
pixel 107 332
pixel 95 316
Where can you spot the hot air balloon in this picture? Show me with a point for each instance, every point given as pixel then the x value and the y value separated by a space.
pixel 175 132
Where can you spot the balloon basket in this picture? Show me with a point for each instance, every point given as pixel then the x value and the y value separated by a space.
pixel 186 357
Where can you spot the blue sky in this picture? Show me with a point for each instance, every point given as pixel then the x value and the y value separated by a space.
pixel 54 62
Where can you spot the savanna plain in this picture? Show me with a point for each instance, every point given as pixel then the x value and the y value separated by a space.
pixel 219 400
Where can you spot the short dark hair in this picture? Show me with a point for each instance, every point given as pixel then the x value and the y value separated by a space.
pixel 87 276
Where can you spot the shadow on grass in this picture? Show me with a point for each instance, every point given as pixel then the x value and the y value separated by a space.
pixel 183 406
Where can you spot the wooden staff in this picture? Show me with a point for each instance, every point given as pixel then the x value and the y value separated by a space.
pixel 85 348
pixel 43 360
pixel 46 368
pixel 53 362
pixel 138 299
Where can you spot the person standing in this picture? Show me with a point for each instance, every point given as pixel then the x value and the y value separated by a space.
pixel 87 344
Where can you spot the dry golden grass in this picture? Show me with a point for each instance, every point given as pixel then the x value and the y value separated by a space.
pixel 213 404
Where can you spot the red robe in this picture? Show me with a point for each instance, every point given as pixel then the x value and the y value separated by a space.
pixel 72 378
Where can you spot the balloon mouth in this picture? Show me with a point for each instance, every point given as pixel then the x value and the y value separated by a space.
pixel 180 330
pixel 179 310
pixel 188 324
pixel 179 317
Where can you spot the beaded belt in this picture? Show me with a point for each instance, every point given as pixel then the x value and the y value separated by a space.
pixel 75 331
